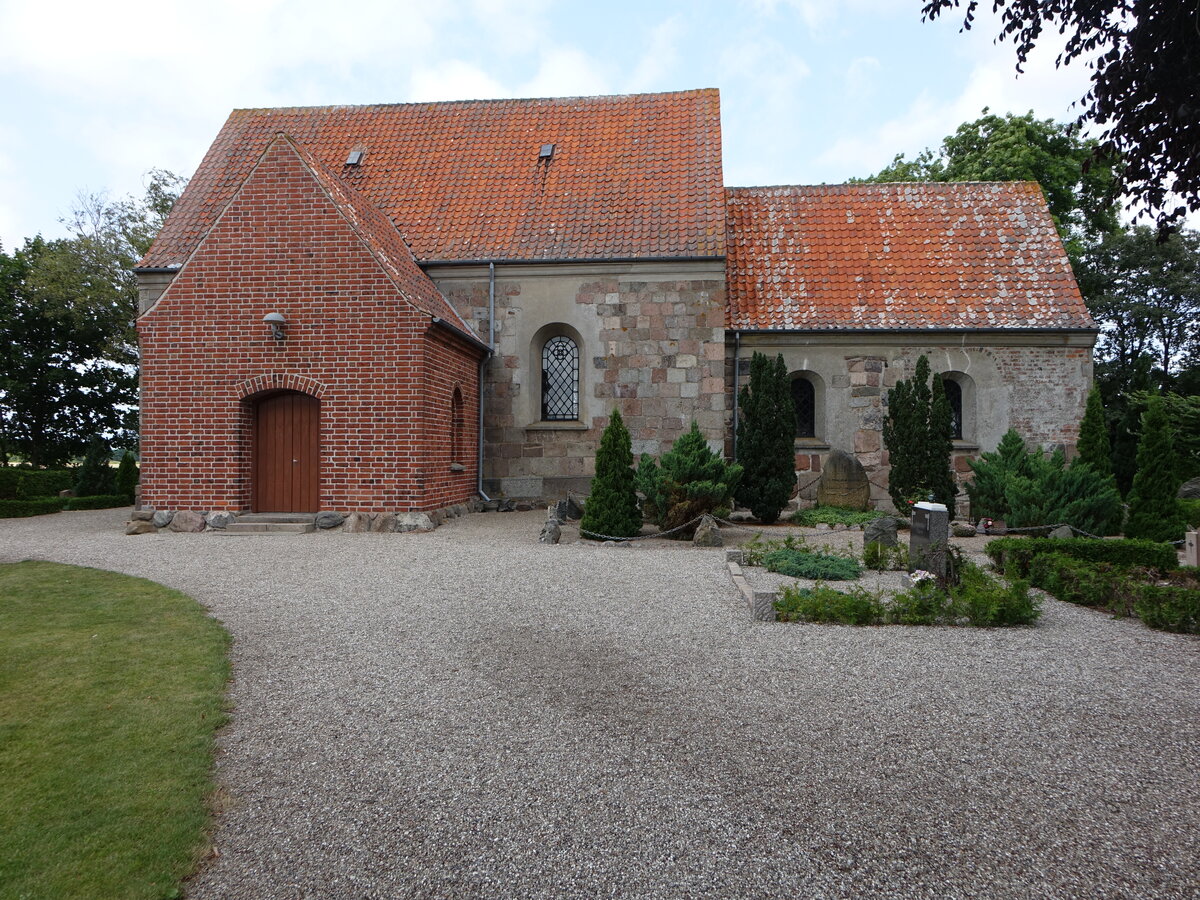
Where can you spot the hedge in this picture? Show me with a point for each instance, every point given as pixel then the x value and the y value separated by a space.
pixel 1013 556
pixel 98 501
pixel 39 506
pixel 27 484
pixel 1085 583
pixel 1169 607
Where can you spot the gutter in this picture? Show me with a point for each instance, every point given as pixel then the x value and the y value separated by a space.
pixel 737 348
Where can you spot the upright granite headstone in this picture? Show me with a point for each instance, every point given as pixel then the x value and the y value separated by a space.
pixel 928 536
pixel 844 482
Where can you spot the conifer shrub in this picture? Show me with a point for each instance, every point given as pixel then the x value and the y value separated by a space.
pixel 814 566
pixel 1027 489
pixel 612 504
pixel 1154 511
pixel 766 439
pixel 918 434
pixel 127 477
pixel 1169 607
pixel 1093 446
pixel 95 476
pixel 688 481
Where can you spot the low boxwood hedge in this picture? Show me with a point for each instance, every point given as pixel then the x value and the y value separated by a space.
pixel 97 501
pixel 1014 555
pixel 39 506
pixel 1169 607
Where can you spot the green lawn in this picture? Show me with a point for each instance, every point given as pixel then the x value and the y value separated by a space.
pixel 111 689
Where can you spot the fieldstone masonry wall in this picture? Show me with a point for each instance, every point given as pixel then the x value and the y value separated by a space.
pixel 1035 384
pixel 651 341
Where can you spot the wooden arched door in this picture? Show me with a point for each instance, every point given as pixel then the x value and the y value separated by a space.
pixel 286 473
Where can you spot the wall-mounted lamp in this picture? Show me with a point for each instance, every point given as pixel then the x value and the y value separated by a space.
pixel 277 323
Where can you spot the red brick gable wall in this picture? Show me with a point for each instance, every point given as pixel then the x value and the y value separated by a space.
pixel 383 372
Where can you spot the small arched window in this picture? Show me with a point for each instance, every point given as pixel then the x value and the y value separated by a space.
pixel 804 399
pixel 457 445
pixel 954 397
pixel 560 379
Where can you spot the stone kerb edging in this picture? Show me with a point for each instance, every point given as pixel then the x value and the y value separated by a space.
pixel 760 603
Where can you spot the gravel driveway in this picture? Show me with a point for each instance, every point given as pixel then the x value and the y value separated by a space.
pixel 467 713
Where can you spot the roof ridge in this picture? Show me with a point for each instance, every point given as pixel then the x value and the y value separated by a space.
pixel 477 100
pixel 872 184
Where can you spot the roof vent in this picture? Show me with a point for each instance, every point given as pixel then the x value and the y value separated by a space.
pixel 354 158
pixel 546 152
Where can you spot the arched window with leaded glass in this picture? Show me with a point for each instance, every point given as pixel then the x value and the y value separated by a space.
pixel 808 402
pixel 560 379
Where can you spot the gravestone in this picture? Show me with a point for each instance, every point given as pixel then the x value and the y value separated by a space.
pixel 844 483
pixel 881 531
pixel 1191 549
pixel 928 537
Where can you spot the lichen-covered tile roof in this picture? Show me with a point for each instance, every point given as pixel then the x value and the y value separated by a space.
pixel 919 256
pixel 635 176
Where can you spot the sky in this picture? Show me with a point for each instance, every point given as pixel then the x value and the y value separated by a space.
pixel 94 95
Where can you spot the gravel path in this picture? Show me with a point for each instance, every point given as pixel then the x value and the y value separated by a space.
pixel 467 713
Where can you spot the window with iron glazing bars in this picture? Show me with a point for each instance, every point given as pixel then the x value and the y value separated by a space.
pixel 805 401
pixel 954 397
pixel 560 380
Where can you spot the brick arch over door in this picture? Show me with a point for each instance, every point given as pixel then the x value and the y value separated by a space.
pixel 285 467
pixel 278 381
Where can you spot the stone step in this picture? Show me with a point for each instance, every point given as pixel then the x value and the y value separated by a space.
pixel 242 527
pixel 277 518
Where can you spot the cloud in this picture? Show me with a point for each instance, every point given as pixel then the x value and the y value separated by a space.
pixel 454 79
pixel 860 77
pixel 660 57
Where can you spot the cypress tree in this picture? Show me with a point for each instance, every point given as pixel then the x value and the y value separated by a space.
pixel 906 435
pixel 1154 510
pixel 1093 446
pixel 95 477
pixel 766 439
pixel 127 476
pixel 612 505
pixel 940 447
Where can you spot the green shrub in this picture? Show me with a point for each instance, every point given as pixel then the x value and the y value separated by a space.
pixel 1013 555
pixel 95 475
pixel 755 549
pixel 1169 607
pixel 823 604
pixel 834 515
pixel 38 506
pixel 1191 512
pixel 977 599
pixel 612 504
pixel 882 558
pixel 1027 489
pixel 97 501
pixel 1154 510
pixel 1085 583
pixel 687 482
pixel 10 480
pixel 766 435
pixel 127 476
pixel 815 566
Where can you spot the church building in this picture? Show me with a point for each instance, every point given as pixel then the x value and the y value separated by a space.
pixel 404 307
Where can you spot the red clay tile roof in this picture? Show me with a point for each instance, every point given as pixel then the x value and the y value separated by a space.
pixel 384 243
pixel 928 256
pixel 634 176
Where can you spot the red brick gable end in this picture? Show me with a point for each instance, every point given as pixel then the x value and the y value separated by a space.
pixel 391 383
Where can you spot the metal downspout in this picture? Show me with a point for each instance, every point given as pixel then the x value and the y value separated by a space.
pixel 482 368
pixel 737 347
